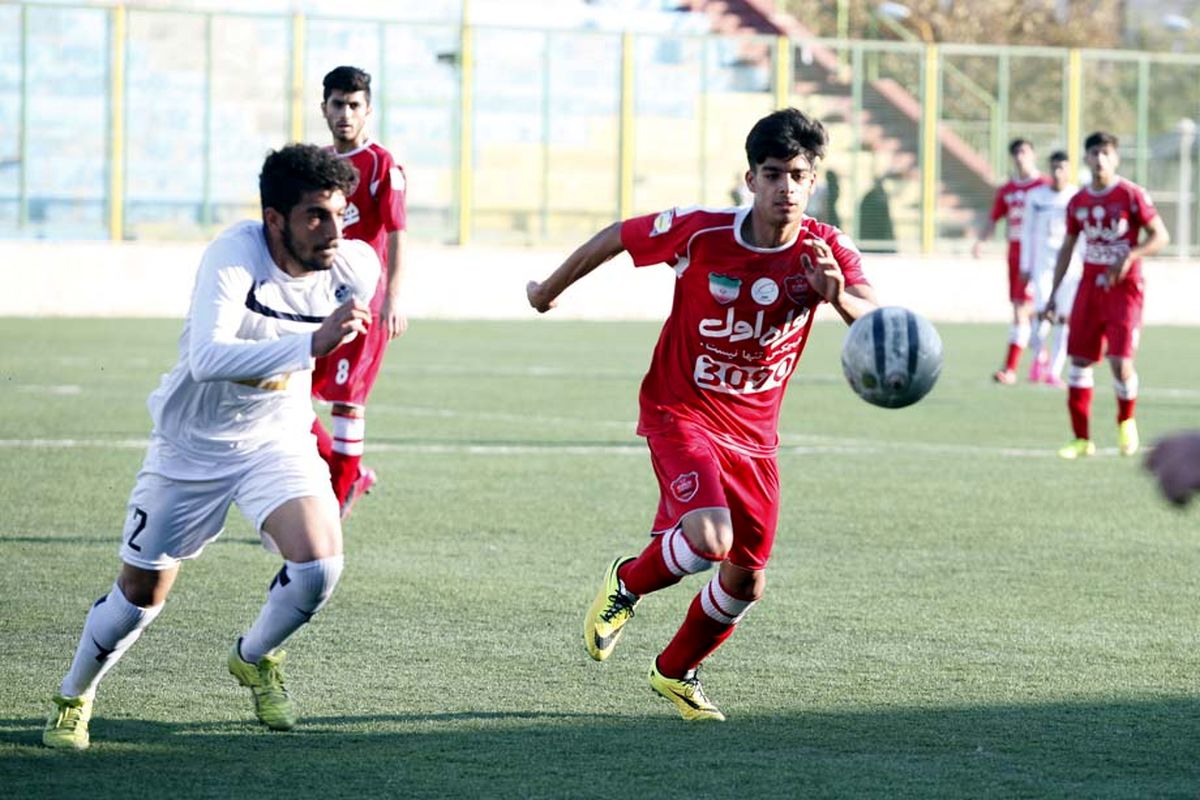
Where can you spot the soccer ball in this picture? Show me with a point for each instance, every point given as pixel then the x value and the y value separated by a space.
pixel 892 357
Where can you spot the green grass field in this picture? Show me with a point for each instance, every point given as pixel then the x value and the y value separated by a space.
pixel 951 610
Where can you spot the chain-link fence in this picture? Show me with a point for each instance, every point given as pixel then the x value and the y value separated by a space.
pixel 144 123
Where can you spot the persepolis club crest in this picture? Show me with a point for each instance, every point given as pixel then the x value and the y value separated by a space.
pixel 796 287
pixel 685 486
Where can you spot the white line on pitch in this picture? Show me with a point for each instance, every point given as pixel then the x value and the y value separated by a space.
pixel 817 447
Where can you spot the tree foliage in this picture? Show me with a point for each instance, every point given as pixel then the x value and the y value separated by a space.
pixel 1056 23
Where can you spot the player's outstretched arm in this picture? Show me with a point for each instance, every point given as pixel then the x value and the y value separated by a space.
pixel 591 254
pixel 1175 461
pixel 825 275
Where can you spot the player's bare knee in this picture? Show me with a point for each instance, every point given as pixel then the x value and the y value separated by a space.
pixel 345 410
pixel 305 529
pixel 146 588
pixel 1122 368
pixel 710 532
pixel 742 583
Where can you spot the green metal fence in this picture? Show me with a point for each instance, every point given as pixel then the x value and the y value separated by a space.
pixel 132 123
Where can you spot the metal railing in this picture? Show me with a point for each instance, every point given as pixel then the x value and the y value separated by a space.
pixel 129 122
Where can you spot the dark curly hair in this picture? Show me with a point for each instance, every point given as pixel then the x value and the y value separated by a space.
pixel 1100 139
pixel 348 80
pixel 785 134
pixel 290 172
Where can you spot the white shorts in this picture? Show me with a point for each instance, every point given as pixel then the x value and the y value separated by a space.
pixel 1065 298
pixel 170 520
pixel 1040 283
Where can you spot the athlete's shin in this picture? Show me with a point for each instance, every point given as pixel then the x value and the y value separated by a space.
pixel 664 562
pixel 1080 382
pixel 1127 393
pixel 298 591
pixel 711 618
pixel 349 432
pixel 113 624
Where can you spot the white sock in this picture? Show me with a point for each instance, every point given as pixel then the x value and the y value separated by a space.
pixel 348 434
pixel 1081 377
pixel 1058 359
pixel 679 556
pixel 720 605
pixel 111 628
pixel 1019 332
pixel 1126 390
pixel 297 592
pixel 1037 339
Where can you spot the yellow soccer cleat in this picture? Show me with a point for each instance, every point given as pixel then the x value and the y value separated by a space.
pixel 607 615
pixel 687 694
pixel 1127 437
pixel 67 726
pixel 272 704
pixel 1077 448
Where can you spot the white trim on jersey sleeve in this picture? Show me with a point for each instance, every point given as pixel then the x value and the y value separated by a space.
pixel 215 352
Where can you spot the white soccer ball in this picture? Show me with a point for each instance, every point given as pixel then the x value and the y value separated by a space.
pixel 892 357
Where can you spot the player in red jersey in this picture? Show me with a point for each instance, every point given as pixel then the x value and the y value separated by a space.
pixel 1110 214
pixel 1010 205
pixel 748 282
pixel 376 215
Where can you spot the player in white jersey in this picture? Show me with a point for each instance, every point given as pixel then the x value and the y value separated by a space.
pixel 232 424
pixel 1042 233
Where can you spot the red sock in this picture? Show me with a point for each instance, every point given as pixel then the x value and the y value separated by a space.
pixel 324 440
pixel 665 561
pixel 343 471
pixel 1125 408
pixel 648 572
pixel 699 635
pixel 1079 403
pixel 1013 358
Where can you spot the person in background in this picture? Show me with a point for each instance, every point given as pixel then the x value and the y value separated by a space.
pixel 1110 213
pixel 375 214
pixel 1009 205
pixel 1042 233
pixel 1175 462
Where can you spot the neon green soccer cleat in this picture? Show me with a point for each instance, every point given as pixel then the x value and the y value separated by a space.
pixel 687 694
pixel 607 615
pixel 272 704
pixel 1077 448
pixel 67 726
pixel 1127 437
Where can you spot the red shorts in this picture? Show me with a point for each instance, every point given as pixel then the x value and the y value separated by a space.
pixel 347 374
pixel 1106 319
pixel 695 473
pixel 1019 291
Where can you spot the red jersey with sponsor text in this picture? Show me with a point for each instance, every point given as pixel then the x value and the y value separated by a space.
pixel 1111 222
pixel 738 324
pixel 1009 204
pixel 377 206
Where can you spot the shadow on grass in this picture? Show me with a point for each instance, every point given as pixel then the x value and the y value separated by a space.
pixel 1132 749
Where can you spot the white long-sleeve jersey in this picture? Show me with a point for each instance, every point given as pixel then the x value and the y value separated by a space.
pixel 244 373
pixel 1042 232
